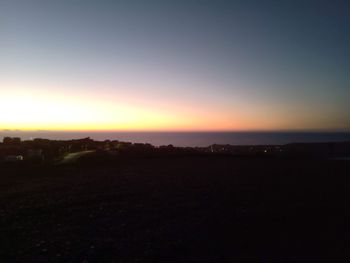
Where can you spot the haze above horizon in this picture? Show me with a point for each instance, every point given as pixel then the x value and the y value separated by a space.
pixel 174 65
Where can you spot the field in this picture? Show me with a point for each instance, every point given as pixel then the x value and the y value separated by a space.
pixel 176 209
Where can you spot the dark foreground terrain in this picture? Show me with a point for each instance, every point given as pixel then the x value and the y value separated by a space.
pixel 177 209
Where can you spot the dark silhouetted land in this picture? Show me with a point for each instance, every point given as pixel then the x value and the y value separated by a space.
pixel 176 209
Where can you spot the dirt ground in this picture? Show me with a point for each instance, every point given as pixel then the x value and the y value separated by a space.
pixel 177 209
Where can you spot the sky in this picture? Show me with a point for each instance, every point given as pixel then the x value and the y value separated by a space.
pixel 175 65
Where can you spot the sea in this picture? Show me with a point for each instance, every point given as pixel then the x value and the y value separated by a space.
pixel 189 139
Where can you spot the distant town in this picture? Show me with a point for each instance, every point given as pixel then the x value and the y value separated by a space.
pixel 45 151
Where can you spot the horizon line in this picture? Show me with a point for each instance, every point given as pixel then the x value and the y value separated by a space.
pixel 179 131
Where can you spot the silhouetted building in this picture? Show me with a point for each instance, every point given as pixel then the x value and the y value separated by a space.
pixel 12 140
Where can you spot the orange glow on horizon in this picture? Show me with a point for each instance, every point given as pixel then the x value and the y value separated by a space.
pixel 46 111
pixel 31 109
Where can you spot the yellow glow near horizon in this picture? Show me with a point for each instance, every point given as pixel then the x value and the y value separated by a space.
pixel 51 111
pixel 38 110
pixel 30 108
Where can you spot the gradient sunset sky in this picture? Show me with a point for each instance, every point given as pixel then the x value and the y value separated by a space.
pixel 174 65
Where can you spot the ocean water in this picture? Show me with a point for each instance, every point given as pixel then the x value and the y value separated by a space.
pixel 190 138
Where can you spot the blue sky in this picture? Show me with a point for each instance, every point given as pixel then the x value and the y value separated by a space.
pixel 177 65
